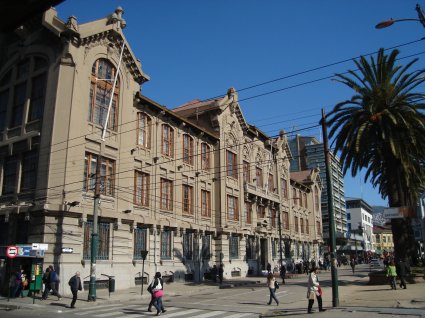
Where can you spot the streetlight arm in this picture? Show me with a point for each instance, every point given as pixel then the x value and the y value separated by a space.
pixel 390 22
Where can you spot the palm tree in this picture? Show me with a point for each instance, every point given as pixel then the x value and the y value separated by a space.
pixel 382 129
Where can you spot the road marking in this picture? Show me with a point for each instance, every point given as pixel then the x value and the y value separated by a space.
pixel 132 315
pixel 109 314
pixel 239 315
pixel 210 314
pixel 89 311
pixel 182 313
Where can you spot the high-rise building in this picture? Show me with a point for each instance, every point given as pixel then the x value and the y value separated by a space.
pixel 308 153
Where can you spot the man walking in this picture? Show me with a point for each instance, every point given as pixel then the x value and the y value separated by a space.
pixel 54 282
pixel 403 269
pixel 75 284
pixel 46 281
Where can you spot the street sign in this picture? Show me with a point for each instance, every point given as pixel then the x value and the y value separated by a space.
pixel 67 250
pixel 11 251
pixel 39 247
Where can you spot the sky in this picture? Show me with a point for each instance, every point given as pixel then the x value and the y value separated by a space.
pixel 279 55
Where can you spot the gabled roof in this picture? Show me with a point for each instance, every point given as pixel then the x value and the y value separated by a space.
pixel 305 177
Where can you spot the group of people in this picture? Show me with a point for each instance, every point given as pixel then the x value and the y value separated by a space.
pixel 401 270
pixel 313 288
pixel 51 285
pixel 217 273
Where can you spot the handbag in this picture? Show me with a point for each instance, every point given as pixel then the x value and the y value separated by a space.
pixel 276 285
pixel 158 293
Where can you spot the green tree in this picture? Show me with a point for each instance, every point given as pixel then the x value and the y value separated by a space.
pixel 382 129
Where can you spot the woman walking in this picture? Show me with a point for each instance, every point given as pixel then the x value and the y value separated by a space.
pixel 156 288
pixel 314 290
pixel 271 284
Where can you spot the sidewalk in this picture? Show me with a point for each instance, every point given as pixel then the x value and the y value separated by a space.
pixel 356 298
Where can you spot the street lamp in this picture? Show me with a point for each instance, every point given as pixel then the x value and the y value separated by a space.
pixel 143 254
pixel 387 23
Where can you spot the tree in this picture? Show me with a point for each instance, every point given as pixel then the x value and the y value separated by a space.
pixel 382 129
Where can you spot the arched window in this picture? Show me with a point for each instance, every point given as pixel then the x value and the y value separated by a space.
pixel 144 129
pixel 316 199
pixel 187 149
pixel 102 79
pixel 167 141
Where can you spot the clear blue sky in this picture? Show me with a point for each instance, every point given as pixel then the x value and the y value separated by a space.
pixel 198 49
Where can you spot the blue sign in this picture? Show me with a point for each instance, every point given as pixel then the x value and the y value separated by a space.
pixel 27 251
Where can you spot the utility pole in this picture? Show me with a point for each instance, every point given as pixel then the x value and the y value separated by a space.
pixel 94 235
pixel 332 238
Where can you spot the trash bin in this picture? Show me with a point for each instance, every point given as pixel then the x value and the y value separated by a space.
pixel 111 284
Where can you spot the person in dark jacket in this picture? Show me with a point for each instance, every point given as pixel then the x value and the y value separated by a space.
pixel 403 268
pixel 283 273
pixel 54 282
pixel 46 282
pixel 75 284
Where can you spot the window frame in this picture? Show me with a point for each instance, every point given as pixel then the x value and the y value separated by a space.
pixel 205 203
pixel 231 164
pixel 167 141
pixel 166 192
pixel 187 199
pixel 166 244
pixel 140 238
pixel 232 208
pixel 205 156
pixel 103 241
pixel 144 132
pixel 188 149
pixel 246 171
pixel 107 174
pixel 141 188
pixel 233 247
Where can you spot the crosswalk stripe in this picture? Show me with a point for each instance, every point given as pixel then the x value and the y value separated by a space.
pixel 102 308
pixel 182 313
pixel 109 314
pixel 132 315
pixel 210 314
pixel 240 315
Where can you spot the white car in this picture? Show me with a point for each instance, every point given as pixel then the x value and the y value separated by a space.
pixel 374 263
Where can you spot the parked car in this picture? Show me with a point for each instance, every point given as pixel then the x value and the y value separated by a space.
pixel 374 262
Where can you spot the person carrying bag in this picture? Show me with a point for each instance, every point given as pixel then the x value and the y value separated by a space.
pixel 156 288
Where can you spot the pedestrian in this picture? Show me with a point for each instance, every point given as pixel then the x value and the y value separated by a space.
pixel 272 285
pixel 19 276
pixel 54 282
pixel 392 275
pixel 313 290
pixel 75 284
pixel 283 273
pixel 156 288
pixel 269 268
pixel 214 273
pixel 353 265
pixel 403 269
pixel 46 282
pixel 221 272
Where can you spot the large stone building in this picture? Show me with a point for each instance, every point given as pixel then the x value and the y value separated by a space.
pixel 308 153
pixel 80 144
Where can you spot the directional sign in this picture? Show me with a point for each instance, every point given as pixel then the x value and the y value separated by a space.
pixel 39 247
pixel 11 251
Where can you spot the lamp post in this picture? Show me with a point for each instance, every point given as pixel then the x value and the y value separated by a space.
pixel 143 254
pixel 387 23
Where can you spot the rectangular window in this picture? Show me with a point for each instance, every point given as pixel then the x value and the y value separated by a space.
pixel 296 224
pixel 101 105
pixel 305 200
pixel 187 149
pixel 270 183
pixel 285 220
pixel 188 245
pixel 318 228
pixel 307 229
pixel 274 244
pixel 10 173
pixel 250 248
pixel 284 188
pixel 166 237
pixel 273 216
pixel 259 177
pixel 29 170
pixel 144 130
pixel 205 156
pixel 187 199
pixel 107 174
pixel 38 91
pixel 248 212
pixel 348 216
pixel 246 172
pixel 206 247
pixel 232 168
pixel 4 99
pixel 232 208
pixel 166 194
pixel 261 211
pixel 205 203
pixel 167 141
pixel 141 188
pixel 102 240
pixel 140 239
pixel 302 225
pixel 18 105
pixel 234 247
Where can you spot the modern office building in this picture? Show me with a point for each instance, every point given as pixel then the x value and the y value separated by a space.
pixel 82 146
pixel 308 153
